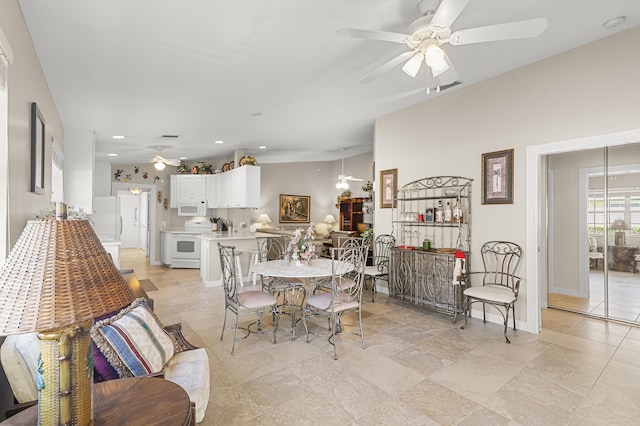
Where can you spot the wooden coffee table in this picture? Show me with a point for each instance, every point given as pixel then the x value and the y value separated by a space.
pixel 132 401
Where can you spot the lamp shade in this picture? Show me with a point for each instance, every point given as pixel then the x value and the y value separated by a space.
pixel 329 219
pixel 620 225
pixel 58 273
pixel 263 218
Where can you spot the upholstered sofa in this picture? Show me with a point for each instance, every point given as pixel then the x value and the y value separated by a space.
pixel 187 366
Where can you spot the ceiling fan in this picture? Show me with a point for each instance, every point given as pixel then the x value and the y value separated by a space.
pixel 343 179
pixel 432 30
pixel 160 162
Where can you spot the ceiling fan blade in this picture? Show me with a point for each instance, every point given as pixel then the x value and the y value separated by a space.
pixel 354 179
pixel 373 35
pixel 448 12
pixel 509 31
pixel 172 162
pixel 394 62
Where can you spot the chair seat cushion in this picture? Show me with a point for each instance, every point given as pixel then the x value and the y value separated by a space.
pixel 190 370
pixel 322 301
pixel 133 341
pixel 493 293
pixel 255 299
pixel 373 271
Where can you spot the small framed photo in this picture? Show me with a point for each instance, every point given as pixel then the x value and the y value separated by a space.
pixel 497 177
pixel 388 188
pixel 295 208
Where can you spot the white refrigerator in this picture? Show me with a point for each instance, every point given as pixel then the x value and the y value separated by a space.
pixel 106 218
pixel 106 222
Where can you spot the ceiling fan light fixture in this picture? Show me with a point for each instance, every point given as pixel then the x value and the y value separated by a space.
pixel 159 165
pixel 412 66
pixel 434 56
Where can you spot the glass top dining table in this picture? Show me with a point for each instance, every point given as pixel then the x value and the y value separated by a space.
pixel 282 269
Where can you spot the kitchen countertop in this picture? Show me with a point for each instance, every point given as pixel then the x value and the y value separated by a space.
pixel 109 239
pixel 236 235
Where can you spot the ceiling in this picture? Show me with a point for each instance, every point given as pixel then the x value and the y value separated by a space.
pixel 266 73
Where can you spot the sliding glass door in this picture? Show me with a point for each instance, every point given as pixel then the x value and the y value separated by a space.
pixel 594 232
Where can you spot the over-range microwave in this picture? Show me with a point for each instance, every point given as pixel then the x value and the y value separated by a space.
pixel 197 208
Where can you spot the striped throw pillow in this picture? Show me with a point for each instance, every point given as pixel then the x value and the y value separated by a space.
pixel 133 341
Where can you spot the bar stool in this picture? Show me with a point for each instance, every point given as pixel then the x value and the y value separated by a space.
pixel 255 258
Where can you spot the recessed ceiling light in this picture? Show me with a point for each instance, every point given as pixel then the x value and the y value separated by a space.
pixel 262 147
pixel 117 137
pixel 182 158
pixel 615 22
pixel 112 154
pixel 219 142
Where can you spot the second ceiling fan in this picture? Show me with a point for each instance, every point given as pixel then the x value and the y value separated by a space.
pixel 432 30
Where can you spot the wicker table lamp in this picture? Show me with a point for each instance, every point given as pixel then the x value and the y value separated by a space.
pixel 56 280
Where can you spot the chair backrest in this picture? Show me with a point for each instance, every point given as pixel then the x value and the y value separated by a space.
pixel 593 244
pixel 501 260
pixel 271 248
pixel 349 242
pixel 335 235
pixel 347 278
pixel 382 251
pixel 227 267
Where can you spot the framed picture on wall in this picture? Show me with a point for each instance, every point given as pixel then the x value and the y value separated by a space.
pixel 295 208
pixel 37 150
pixel 497 177
pixel 388 188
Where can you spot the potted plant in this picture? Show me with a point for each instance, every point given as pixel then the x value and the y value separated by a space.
pixel 182 168
pixel 205 168
pixel 345 194
pixel 368 187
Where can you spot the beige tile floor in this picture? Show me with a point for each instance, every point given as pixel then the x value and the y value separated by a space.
pixel 417 368
pixel 624 296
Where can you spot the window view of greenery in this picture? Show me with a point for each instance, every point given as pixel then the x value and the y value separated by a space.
pixel 626 207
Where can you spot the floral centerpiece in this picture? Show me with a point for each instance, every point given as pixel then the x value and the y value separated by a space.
pixel 301 249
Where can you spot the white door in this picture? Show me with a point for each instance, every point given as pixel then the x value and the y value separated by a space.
pixel 130 215
pixel 144 222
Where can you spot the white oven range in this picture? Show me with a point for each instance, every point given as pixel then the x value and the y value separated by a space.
pixel 181 249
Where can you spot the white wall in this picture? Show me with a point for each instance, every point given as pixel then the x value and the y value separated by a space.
pixel 26 84
pixel 564 97
pixel 315 179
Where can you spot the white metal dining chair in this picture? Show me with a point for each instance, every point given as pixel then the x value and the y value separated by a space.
pixel 500 284
pixel 379 270
pixel 254 302
pixel 345 297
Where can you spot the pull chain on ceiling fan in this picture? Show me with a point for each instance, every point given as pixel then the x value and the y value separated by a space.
pixel 342 178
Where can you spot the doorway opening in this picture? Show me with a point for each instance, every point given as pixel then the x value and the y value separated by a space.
pixel 594 232
pixel 137 217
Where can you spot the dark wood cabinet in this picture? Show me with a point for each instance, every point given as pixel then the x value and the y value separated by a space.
pixel 351 213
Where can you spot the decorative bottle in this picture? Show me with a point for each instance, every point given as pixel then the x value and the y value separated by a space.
pixel 438 212
pixel 448 213
pixel 457 213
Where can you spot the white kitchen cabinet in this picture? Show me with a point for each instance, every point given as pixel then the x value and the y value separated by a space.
pixel 211 191
pixel 173 192
pixel 239 188
pixel 191 188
